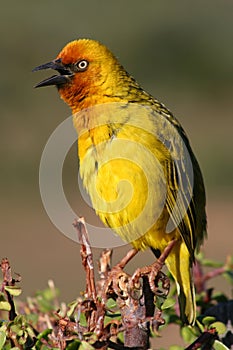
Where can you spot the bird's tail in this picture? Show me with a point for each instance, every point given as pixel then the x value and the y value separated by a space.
pixel 178 263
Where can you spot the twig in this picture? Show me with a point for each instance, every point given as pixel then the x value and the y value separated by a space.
pixel 200 278
pixel 8 280
pixel 214 273
pixel 87 257
pixel 205 341
pixel 134 295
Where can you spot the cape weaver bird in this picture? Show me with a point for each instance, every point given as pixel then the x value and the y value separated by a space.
pixel 125 136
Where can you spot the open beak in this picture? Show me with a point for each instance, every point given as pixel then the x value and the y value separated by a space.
pixel 58 80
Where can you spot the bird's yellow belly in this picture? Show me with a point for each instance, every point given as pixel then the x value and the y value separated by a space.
pixel 127 188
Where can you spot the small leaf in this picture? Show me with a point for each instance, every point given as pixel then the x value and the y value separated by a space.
pixel 85 346
pixel 20 320
pixel 20 333
pixel 187 334
pixel 219 346
pixel 208 320
pixel 159 301
pixel 30 331
pixel 108 319
pixel 22 340
pixel 15 328
pixel 92 338
pixel 44 334
pixel 176 347
pixel 72 307
pixel 2 339
pixel 74 345
pixel 211 263
pixel 120 336
pixel 13 290
pixel 228 274
pixel 4 305
pixel 82 320
pixel 111 304
pixel 219 326
pixel 200 326
pixel 169 302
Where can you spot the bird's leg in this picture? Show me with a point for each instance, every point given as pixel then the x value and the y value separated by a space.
pixel 129 256
pixel 154 269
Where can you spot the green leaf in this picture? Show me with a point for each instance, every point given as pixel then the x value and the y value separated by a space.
pixel 13 290
pixel 4 305
pixel 120 336
pixel 16 328
pixel 109 319
pixel 20 320
pixel 22 340
pixel 82 320
pixel 85 346
pixel 159 301
pixel 3 327
pixel 111 304
pixel 44 334
pixel 176 347
pixel 20 333
pixel 72 307
pixel 211 263
pixel 2 339
pixel 169 302
pixel 74 345
pixel 219 346
pixel 200 325
pixel 30 331
pixel 228 274
pixel 219 326
pixel 208 320
pixel 187 334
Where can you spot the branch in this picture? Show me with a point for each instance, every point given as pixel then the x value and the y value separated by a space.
pixel 8 280
pixel 205 341
pixel 87 257
pixel 134 296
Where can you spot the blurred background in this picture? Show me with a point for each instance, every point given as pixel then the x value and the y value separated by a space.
pixel 180 51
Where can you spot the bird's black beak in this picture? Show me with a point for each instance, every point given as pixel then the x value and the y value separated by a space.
pixel 58 80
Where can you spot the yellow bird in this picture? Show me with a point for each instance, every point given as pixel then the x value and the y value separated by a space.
pixel 136 162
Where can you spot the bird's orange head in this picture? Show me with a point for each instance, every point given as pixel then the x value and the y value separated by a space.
pixel 89 74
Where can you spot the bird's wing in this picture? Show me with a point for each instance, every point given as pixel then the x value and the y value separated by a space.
pixel 179 173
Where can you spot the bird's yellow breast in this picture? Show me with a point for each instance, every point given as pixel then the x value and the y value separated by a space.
pixel 121 168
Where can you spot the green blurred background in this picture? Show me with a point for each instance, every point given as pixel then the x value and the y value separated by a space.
pixel 180 51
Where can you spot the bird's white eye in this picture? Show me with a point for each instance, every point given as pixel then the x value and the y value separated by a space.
pixel 82 65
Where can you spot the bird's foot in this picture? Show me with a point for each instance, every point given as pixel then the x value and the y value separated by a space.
pixel 154 274
pixel 156 277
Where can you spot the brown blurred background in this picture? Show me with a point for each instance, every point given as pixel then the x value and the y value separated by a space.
pixel 180 51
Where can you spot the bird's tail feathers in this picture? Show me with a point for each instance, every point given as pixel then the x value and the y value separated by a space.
pixel 178 263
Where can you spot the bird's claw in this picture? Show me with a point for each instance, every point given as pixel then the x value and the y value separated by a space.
pixel 154 274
